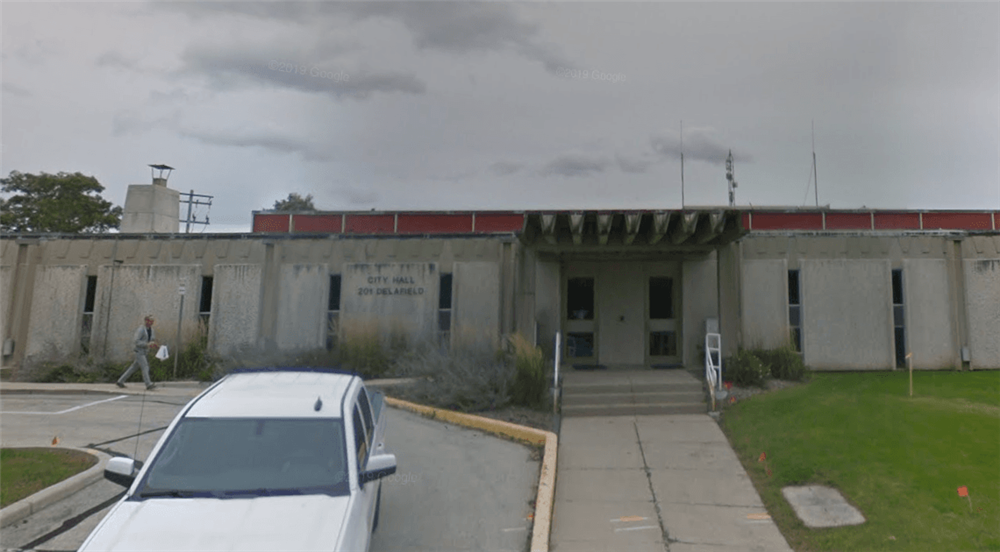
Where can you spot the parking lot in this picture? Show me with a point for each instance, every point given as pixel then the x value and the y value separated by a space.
pixel 455 488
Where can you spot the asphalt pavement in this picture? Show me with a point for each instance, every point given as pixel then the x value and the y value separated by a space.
pixel 456 489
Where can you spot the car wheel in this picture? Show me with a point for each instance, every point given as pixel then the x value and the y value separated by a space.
pixel 378 506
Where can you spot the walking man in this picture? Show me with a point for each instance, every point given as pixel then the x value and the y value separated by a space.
pixel 145 339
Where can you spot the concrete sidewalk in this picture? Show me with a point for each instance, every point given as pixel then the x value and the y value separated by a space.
pixel 655 483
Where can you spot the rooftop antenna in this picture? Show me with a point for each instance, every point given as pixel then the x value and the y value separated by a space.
pixel 815 183
pixel 729 177
pixel 682 165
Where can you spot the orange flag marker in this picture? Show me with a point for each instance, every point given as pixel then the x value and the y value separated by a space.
pixel 964 491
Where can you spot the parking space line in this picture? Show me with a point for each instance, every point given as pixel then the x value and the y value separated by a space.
pixel 68 409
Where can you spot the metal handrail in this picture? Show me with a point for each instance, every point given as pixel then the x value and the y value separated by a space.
pixel 713 351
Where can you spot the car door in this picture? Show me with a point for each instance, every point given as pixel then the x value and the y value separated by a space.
pixel 371 409
pixel 368 492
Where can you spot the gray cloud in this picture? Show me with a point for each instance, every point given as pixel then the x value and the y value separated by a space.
pixel 357 196
pixel 632 165
pixel 242 67
pixel 453 27
pixel 258 139
pixel 116 60
pixel 574 165
pixel 505 168
pixel 131 123
pixel 699 145
pixel 15 90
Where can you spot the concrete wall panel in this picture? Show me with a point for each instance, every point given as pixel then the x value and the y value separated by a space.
pixel 929 331
pixel 390 297
pixel 139 290
pixel 236 306
pixel 54 325
pixel 548 301
pixel 847 311
pixel 6 288
pixel 700 302
pixel 765 303
pixel 476 301
pixel 303 292
pixel 982 290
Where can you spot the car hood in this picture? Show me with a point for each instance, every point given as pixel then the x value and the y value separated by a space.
pixel 299 522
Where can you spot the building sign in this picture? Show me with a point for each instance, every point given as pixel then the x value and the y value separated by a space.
pixel 392 296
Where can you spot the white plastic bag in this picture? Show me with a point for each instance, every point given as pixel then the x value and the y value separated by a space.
pixel 163 354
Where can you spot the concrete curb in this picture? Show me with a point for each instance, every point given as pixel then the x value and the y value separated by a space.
pixel 544 501
pixel 50 495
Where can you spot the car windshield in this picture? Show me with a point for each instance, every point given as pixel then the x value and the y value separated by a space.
pixel 246 457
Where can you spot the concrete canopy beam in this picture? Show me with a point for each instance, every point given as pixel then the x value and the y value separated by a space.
pixel 661 221
pixel 576 226
pixel 712 226
pixel 684 228
pixel 549 227
pixel 604 228
pixel 632 221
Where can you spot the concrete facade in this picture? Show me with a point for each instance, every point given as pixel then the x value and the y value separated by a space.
pixel 930 334
pixel 982 288
pixel 235 322
pixel 847 314
pixel 765 303
pixel 54 326
pixel 271 291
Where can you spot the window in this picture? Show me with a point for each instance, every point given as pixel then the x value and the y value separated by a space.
pixel 87 324
pixel 661 298
pixel 663 343
pixel 360 439
pixel 366 412
pixel 580 299
pixel 333 313
pixel 205 307
pixel 898 316
pixel 580 345
pixel 794 310
pixel 444 310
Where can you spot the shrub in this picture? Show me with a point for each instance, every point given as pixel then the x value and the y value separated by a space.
pixel 745 369
pixel 530 383
pixel 469 377
pixel 194 363
pixel 361 350
pixel 782 363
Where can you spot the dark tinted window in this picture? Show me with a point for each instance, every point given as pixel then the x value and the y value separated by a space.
pixel 580 299
pixel 661 298
pixel 206 294
pixel 444 296
pixel 334 302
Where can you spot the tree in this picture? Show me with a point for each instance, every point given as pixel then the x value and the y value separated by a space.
pixel 61 202
pixel 295 203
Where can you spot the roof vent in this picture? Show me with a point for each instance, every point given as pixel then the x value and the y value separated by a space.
pixel 318 405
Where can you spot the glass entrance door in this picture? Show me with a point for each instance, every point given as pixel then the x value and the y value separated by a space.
pixel 662 327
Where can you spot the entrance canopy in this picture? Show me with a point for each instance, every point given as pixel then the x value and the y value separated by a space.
pixel 632 230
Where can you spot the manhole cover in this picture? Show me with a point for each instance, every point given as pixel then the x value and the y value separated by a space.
pixel 819 506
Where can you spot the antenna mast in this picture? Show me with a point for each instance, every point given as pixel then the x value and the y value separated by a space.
pixel 682 165
pixel 732 181
pixel 815 183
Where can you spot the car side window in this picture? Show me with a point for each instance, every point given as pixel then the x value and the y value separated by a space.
pixel 366 412
pixel 360 439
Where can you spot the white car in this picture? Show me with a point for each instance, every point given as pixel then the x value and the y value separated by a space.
pixel 262 460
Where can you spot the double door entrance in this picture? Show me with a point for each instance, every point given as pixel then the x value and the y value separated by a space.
pixel 622 314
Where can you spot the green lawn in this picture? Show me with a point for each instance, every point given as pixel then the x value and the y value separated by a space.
pixel 900 460
pixel 24 472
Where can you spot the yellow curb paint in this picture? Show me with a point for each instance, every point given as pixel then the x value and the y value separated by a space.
pixel 547 478
pixel 758 516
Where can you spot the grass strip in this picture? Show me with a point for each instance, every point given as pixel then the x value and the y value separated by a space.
pixel 25 471
pixel 898 459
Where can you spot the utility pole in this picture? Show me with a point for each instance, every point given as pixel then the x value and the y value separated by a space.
pixel 191 201
pixel 682 165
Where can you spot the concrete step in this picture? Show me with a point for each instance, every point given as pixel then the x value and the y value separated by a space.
pixel 630 398
pixel 634 410
pixel 601 388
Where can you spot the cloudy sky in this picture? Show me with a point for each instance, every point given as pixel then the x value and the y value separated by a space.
pixel 490 105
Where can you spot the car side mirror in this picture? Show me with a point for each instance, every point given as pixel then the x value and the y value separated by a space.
pixel 379 466
pixel 122 470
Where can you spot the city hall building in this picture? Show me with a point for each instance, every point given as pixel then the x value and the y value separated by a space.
pixel 850 289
